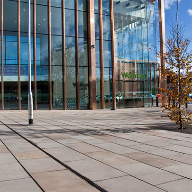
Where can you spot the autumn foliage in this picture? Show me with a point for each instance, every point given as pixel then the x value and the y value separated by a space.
pixel 178 75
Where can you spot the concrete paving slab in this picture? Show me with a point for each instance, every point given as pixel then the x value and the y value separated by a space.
pixel 108 129
pixel 181 169
pixel 64 141
pixel 152 160
pixel 111 159
pixel 94 170
pixel 62 181
pixel 177 186
pixel 83 147
pixel 181 149
pixel 30 154
pixel 49 144
pixel 148 173
pixel 117 140
pixel 19 185
pixel 125 184
pixel 65 154
pixel 115 148
pixel 183 158
pixel 6 158
pixel 3 149
pixel 56 136
pixel 41 165
pixel 12 171
pixel 162 152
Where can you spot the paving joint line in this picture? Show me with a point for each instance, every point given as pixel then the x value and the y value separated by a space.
pixel 91 158
pixel 57 160
pixel 22 166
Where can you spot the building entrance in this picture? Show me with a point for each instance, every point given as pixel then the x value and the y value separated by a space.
pixel 133 93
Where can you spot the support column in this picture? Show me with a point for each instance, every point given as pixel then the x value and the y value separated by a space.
pixel 49 52
pixel 92 65
pixel 162 80
pixel 64 63
pixel 2 81
pixel 18 55
pixel 34 54
pixel 113 56
pixel 77 55
pixel 101 55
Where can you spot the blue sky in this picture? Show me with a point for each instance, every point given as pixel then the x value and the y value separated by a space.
pixel 185 16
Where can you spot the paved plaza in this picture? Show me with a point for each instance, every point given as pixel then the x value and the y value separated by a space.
pixel 120 150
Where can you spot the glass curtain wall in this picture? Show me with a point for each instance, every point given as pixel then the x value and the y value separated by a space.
pixel 10 29
pixel 15 44
pixel 134 23
pixel 97 53
pixel 56 54
pixel 107 53
pixel 106 42
pixel 24 53
pixel 83 54
pixel 42 55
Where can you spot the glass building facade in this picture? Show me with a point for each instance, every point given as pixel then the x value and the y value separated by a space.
pixel 85 54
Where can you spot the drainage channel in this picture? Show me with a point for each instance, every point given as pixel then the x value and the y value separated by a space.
pixel 57 160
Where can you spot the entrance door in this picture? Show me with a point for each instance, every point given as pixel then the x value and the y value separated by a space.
pixel 133 94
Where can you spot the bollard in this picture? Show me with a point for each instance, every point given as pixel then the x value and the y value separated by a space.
pixel 157 102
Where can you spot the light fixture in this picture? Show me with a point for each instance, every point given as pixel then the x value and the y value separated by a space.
pixel 128 4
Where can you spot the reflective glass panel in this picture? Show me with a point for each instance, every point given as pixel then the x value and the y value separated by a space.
pixel 69 22
pixel 82 5
pixel 56 3
pixel 83 52
pixel 56 21
pixel 71 87
pixel 83 87
pixel 10 15
pixel 70 52
pixel 57 86
pixel 82 24
pixel 42 19
pixel 70 4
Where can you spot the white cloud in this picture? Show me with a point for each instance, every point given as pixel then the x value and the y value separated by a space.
pixel 190 12
pixel 168 3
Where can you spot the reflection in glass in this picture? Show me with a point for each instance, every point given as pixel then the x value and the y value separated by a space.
pixel 57 85
pixel 98 94
pixel 56 21
pixel 108 87
pixel 83 52
pixel 69 22
pixel 70 4
pixel 71 87
pixel 106 7
pixel 11 87
pixel 24 49
pixel 106 28
pixel 96 6
pixel 97 53
pixel 82 24
pixel 42 19
pixel 10 15
pixel 82 5
pixel 70 51
pixel 56 3
pixel 83 87
pixel 56 50
pixel 97 34
pixel 107 53
pixel 24 17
